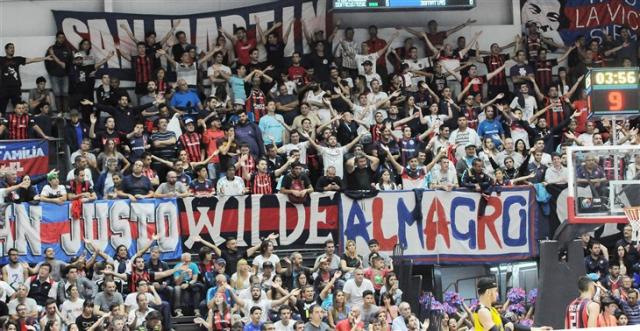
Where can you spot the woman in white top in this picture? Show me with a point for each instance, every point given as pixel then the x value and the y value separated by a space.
pixel 527 103
pixel 266 254
pixel 316 99
pixel 386 182
pixel 53 192
pixel 488 151
pixel 240 279
pixel 434 119
pixel 72 307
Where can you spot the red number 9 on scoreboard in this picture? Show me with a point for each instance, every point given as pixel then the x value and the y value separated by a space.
pixel 616 100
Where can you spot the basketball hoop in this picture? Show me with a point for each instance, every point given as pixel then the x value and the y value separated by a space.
pixel 633 215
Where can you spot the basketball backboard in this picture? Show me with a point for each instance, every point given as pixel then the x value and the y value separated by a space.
pixel 603 180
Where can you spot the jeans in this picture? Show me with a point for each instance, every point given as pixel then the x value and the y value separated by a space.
pixel 59 86
pixel 188 298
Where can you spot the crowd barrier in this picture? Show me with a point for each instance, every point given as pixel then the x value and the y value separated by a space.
pixel 430 226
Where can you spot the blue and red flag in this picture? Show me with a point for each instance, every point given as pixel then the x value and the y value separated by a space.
pixel 27 157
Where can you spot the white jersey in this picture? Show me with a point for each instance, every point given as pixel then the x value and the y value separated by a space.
pixel 15 276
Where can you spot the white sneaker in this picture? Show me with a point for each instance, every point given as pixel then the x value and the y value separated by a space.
pixel 179 313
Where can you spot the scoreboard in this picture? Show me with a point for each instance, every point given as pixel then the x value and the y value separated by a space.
pixel 403 4
pixel 613 91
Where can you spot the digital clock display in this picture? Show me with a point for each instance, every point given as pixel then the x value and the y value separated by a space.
pixel 403 4
pixel 613 91
pixel 621 77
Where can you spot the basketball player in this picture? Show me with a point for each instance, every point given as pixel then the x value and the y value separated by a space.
pixel 583 311
pixel 487 318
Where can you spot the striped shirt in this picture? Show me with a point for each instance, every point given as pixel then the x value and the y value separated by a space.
pixel 494 62
pixel 143 67
pixel 543 73
pixel 190 142
pixel 19 125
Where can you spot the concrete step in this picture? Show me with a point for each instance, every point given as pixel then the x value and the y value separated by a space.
pixel 187 327
pixel 183 320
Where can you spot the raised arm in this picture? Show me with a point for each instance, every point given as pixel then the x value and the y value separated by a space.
pixel 125 27
pixel 459 27
pixel 169 33
pixel 413 32
pixel 466 89
pixel 353 142
pixel 464 51
pixel 208 244
pixel 285 37
pixel 492 101
pixel 144 248
pixel 343 97
pixel 383 51
pixel 539 95
pixel 574 87
pixel 103 61
pixel 616 49
pixel 382 102
pixel 495 72
pixel 429 44
pixel 566 54
pixel 306 34
pixel 170 59
pixel 398 166
pixel 229 36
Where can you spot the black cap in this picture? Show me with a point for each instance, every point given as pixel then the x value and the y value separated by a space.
pixel 367 63
pixel 486 283
pixel 373 242
pixel 267 264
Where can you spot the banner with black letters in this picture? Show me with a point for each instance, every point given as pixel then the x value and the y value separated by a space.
pixel 106 33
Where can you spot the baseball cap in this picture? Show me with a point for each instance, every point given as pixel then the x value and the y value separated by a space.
pixel 470 145
pixel 221 261
pixel 188 120
pixel 367 63
pixel 486 283
pixel 77 55
pixel 51 176
pixel 74 112
pixel 267 264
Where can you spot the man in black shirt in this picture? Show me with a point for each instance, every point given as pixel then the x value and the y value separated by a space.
pixel 125 115
pixel 232 254
pixel 10 75
pixel 296 184
pixel 329 182
pixel 361 170
pixel 58 69
pixel 81 79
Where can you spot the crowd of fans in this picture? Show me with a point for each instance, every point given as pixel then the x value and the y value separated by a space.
pixel 241 118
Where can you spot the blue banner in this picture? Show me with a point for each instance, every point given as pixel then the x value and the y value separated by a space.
pixel 106 224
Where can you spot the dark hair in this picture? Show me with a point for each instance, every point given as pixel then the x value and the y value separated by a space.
pixel 389 296
pixel 49 301
pixel 41 79
pixel 49 325
pixel 197 169
pixel 204 251
pixel 46 264
pixel 254 308
pixel 583 283
pixel 366 292
pixel 12 250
